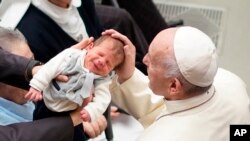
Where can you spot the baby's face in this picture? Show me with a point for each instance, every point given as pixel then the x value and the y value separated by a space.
pixel 100 60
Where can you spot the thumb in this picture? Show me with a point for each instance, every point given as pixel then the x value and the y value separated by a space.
pixel 84 43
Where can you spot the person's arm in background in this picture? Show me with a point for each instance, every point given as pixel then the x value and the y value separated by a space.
pixel 14 69
pixel 51 129
pixel 9 62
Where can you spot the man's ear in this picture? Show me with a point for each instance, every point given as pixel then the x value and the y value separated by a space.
pixel 175 87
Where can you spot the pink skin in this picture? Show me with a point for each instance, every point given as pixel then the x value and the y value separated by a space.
pixel 127 69
pixel 85 115
pixel 33 95
pixel 100 60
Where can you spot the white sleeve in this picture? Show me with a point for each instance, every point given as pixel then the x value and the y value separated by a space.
pixel 50 70
pixel 135 97
pixel 100 102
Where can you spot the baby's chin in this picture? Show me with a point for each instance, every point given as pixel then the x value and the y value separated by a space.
pixel 91 67
pixel 97 72
pixel 93 70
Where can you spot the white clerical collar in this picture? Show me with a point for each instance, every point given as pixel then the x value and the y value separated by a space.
pixel 68 19
pixel 178 106
pixel 55 12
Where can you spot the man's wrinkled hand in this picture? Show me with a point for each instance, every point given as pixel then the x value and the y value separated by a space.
pixel 95 128
pixel 126 70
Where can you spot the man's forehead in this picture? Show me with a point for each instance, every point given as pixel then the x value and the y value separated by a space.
pixel 159 46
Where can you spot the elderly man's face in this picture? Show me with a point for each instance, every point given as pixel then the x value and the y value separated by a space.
pixel 158 51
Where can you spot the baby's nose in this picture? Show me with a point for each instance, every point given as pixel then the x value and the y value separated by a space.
pixel 101 62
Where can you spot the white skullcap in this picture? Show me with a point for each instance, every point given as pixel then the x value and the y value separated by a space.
pixel 195 55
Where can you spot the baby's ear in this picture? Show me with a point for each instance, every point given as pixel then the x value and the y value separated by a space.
pixel 90 46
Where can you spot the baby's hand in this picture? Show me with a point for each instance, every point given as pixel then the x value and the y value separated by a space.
pixel 33 95
pixel 85 115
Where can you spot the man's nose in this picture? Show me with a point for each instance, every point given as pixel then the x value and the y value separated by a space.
pixel 145 60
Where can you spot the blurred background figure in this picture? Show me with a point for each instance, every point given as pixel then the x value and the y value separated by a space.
pixel 14 108
pixel 146 15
